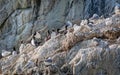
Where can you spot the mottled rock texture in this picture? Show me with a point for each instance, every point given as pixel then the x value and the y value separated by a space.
pixel 92 49
pixel 23 17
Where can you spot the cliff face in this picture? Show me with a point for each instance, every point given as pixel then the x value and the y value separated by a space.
pixel 20 18
pixel 88 49
pixel 92 49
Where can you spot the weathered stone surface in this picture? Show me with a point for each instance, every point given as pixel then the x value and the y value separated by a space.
pixel 74 53
pixel 92 49
pixel 53 13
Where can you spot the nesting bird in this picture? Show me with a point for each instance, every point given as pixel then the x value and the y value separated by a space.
pixel 37 35
pixel 69 24
pixel 22 46
pixel 33 42
pixel 95 17
pixel 14 52
pixel 5 53
pixel 48 62
pixel 53 33
pixel 117 9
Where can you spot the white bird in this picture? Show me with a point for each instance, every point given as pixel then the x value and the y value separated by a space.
pixel 95 16
pixel 38 36
pixel 14 53
pixel 69 24
pixel 5 53
pixel 48 62
pixel 53 34
pixel 33 41
pixel 22 46
pixel 117 9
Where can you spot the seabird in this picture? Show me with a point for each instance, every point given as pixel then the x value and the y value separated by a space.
pixel 117 9
pixel 33 41
pixel 95 17
pixel 22 46
pixel 5 53
pixel 14 52
pixel 37 35
pixel 53 33
pixel 48 62
pixel 69 24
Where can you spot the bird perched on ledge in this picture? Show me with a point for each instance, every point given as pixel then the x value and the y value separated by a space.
pixel 5 53
pixel 33 41
pixel 53 33
pixel 22 46
pixel 117 9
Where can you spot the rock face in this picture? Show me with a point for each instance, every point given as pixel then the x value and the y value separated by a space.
pixel 23 17
pixel 93 49
pixel 86 49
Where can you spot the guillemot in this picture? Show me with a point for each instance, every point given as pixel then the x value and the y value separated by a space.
pixel 69 24
pixel 95 17
pixel 117 9
pixel 5 53
pixel 33 42
pixel 37 35
pixel 14 51
pixel 22 46
pixel 53 33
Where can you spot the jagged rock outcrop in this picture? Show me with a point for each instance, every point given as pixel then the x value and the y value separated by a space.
pixel 87 49
pixel 19 19
pixel 93 49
